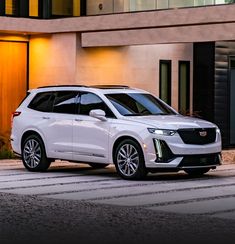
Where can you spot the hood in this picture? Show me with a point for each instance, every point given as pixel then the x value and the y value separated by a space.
pixel 172 122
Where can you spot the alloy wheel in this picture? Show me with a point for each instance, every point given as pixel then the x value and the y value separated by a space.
pixel 32 153
pixel 128 160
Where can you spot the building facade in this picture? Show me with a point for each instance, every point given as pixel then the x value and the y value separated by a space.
pixel 182 51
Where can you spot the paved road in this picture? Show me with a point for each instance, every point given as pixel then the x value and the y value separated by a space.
pixel 210 198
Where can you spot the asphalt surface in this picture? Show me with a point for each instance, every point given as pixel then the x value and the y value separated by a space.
pixel 75 204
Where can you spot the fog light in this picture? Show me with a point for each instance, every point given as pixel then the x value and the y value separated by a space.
pixel 163 152
pixel 158 149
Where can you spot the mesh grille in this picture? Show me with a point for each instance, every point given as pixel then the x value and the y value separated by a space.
pixel 200 160
pixel 198 136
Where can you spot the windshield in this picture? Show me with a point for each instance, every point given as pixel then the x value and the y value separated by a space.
pixel 138 104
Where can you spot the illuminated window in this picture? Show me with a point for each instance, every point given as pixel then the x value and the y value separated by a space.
pixel 76 7
pixel 33 8
pixel 11 7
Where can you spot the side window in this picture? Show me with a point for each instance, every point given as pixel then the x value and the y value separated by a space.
pixel 43 102
pixel 90 101
pixel 65 102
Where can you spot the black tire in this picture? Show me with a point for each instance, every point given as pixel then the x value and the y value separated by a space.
pixel 34 154
pixel 130 166
pixel 98 165
pixel 197 172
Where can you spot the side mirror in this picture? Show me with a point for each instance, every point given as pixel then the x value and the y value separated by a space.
pixel 98 114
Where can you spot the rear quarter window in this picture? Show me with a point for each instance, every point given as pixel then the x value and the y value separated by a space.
pixel 65 102
pixel 43 102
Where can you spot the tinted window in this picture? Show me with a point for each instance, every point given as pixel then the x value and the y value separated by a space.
pixel 65 102
pixel 90 101
pixel 137 104
pixel 43 102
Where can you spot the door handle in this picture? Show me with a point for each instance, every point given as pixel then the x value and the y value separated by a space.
pixel 46 117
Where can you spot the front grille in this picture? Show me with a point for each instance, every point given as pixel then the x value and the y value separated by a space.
pixel 198 136
pixel 200 160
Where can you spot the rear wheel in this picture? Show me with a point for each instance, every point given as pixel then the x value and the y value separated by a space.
pixel 197 172
pixel 34 155
pixel 129 160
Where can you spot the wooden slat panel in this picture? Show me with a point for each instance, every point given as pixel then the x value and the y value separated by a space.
pixel 13 80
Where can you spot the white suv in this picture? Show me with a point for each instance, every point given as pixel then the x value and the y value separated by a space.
pixel 100 125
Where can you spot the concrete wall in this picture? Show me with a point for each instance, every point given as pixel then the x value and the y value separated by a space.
pixel 136 66
pixel 52 59
pixel 210 23
pixel 58 59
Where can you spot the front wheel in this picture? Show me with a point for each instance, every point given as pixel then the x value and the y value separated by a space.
pixel 129 160
pixel 197 172
pixel 34 155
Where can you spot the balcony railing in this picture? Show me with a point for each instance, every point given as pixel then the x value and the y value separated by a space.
pixel 97 7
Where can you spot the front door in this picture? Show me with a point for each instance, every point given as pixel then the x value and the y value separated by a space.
pixel 90 135
pixel 13 81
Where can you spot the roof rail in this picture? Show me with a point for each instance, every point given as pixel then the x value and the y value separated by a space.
pixel 110 87
pixel 61 86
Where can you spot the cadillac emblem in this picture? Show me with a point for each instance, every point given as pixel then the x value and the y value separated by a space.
pixel 203 133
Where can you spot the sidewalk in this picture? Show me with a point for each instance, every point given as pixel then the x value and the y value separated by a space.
pixel 228 156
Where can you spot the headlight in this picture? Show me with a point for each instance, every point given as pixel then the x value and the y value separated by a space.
pixel 161 132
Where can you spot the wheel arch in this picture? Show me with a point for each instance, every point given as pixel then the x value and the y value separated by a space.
pixel 30 133
pixel 122 138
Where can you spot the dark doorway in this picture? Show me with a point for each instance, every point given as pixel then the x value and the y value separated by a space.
pixel 232 100
pixel 165 80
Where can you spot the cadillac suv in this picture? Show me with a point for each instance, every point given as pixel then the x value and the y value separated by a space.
pixel 101 125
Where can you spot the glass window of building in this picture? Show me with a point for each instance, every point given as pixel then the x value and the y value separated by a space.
pixel 2 8
pixel 102 6
pixel 224 1
pixel 11 7
pixel 121 6
pixel 204 2
pixel 140 5
pixel 162 4
pixel 76 7
pixel 33 8
pixel 165 81
pixel 181 3
pixel 65 8
pixel 184 87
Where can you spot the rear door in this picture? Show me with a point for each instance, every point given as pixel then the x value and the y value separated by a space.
pixel 53 119
pixel 59 132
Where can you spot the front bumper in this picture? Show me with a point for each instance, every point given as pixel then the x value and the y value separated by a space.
pixel 173 153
